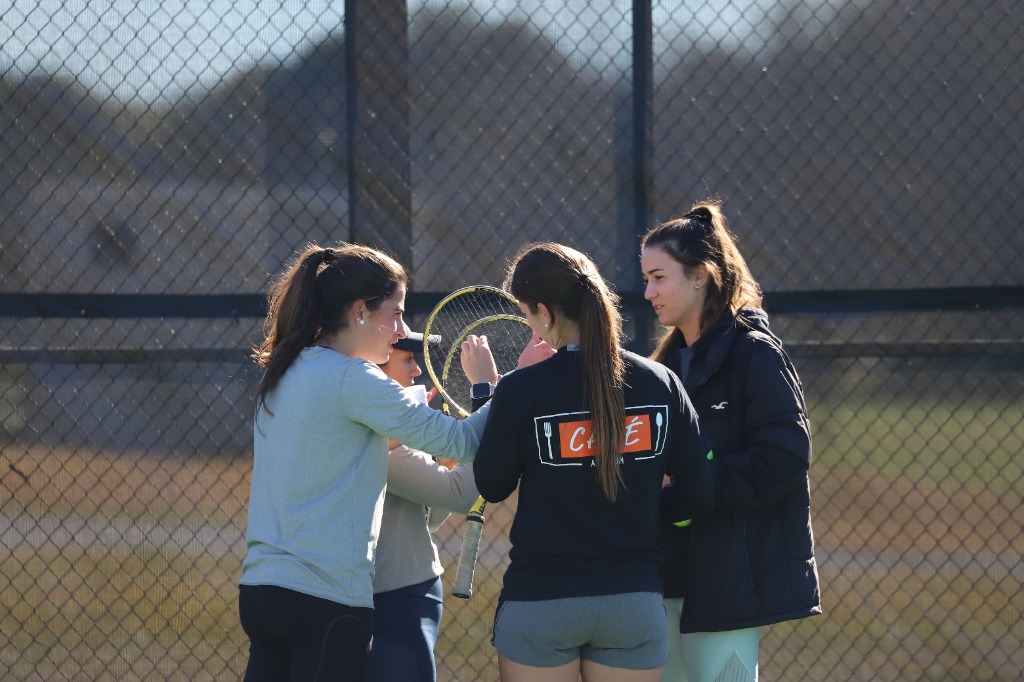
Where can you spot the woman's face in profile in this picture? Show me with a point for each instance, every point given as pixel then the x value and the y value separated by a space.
pixel 676 299
pixel 383 328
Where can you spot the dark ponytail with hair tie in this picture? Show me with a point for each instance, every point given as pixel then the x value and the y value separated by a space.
pixel 568 283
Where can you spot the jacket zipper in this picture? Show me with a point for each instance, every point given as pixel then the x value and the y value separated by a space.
pixel 746 555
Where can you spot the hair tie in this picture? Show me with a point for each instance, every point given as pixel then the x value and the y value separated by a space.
pixel 327 256
pixel 701 215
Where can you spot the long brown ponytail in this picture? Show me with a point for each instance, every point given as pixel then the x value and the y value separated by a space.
pixel 567 283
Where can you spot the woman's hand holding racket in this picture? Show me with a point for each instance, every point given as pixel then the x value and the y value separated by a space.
pixel 478 361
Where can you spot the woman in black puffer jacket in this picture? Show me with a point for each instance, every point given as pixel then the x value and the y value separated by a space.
pixel 750 562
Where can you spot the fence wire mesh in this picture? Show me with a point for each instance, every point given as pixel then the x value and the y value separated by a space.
pixel 187 150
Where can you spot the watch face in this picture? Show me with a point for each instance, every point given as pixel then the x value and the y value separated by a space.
pixel 481 391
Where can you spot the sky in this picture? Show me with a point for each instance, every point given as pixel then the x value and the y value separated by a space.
pixel 154 51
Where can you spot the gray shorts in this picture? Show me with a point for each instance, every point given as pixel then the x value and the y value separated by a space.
pixel 627 631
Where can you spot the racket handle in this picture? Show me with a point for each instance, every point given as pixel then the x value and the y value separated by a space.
pixel 463 586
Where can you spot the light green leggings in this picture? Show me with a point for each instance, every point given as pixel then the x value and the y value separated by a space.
pixel 709 656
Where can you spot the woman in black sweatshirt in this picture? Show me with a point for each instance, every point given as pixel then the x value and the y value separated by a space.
pixel 587 436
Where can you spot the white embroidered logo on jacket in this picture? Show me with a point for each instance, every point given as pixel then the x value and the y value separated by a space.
pixel 720 406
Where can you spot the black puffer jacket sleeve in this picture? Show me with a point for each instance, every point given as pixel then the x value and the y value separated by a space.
pixel 777 452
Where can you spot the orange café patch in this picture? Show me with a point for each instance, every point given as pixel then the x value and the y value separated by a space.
pixel 576 439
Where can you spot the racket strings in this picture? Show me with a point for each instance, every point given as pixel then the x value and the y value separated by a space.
pixel 481 311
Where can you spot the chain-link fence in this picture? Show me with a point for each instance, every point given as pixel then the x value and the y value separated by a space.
pixel 158 161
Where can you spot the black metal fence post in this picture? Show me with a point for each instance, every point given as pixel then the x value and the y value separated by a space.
pixel 378 102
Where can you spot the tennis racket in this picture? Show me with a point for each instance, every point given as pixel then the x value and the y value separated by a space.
pixel 480 310
pixel 483 311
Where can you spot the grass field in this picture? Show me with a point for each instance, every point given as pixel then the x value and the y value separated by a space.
pixel 124 567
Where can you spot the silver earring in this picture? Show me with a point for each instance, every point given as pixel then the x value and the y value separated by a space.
pixel 545 325
pixel 696 286
pixel 362 321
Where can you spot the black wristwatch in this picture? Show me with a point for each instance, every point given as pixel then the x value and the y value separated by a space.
pixel 482 391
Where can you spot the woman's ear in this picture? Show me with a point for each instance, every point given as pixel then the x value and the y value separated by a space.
pixel 699 275
pixel 549 319
pixel 357 312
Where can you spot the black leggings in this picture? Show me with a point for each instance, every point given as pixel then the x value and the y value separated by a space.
pixel 295 636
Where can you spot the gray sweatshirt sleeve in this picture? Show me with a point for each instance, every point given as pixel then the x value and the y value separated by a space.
pixel 415 476
pixel 381 405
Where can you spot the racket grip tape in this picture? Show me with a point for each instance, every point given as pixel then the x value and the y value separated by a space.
pixel 463 586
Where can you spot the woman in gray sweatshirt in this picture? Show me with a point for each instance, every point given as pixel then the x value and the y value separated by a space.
pixel 408 599
pixel 324 413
